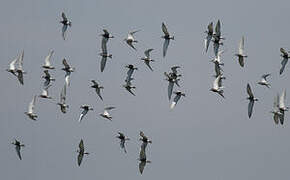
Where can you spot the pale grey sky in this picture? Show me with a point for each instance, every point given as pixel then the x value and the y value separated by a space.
pixel 204 137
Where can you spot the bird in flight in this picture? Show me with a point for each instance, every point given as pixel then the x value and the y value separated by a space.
pixel 97 88
pixel 167 37
pixel 81 152
pixel 104 54
pixel 178 95
pixel 264 81
pixel 62 104
pixel 130 39
pixel 128 86
pixel 65 22
pixel 282 107
pixel 47 64
pixel 18 146
pixel 217 38
pixel 44 93
pixel 106 113
pixel 276 112
pixel 86 108
pixel 19 69
pixel 251 99
pixel 142 158
pixel 241 55
pixel 145 140
pixel 217 58
pixel 123 139
pixel 47 78
pixel 208 38
pixel 217 86
pixel 285 57
pixel 147 58
pixel 12 67
pixel 30 113
pixel 172 78
pixel 106 36
pixel 131 69
pixel 68 70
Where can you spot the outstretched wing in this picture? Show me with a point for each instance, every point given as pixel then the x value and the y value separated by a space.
pixel 67 78
pixel 147 63
pixel 282 99
pixel 276 118
pixel 47 59
pixel 175 100
pixel 95 83
pixel 32 105
pixel 147 52
pixel 81 145
pixel 64 28
pixel 216 82
pixel 241 61
pixel 249 91
pixel 63 94
pixel 142 154
pixel 265 76
pixel 122 145
pixel 216 47
pixel 165 46
pixel 98 91
pixel 250 108
pixel 283 63
pixel 20 61
pixel 80 158
pixel 12 64
pixel 66 65
pixel 241 46
pixel 133 32
pixel 130 91
pixel 164 29
pixel 17 148
pixel 218 29
pixel 63 16
pixel 103 63
pixel 132 46
pixel 110 108
pixel 282 50
pixel 104 45
pixel 207 41
pixel 142 166
pixel 170 89
pixel 210 28
pixel 20 77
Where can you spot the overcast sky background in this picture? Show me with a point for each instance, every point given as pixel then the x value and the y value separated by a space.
pixel 204 137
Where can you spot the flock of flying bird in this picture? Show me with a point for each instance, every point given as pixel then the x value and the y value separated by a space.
pixel 173 78
pixel 16 68
pixel 279 101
